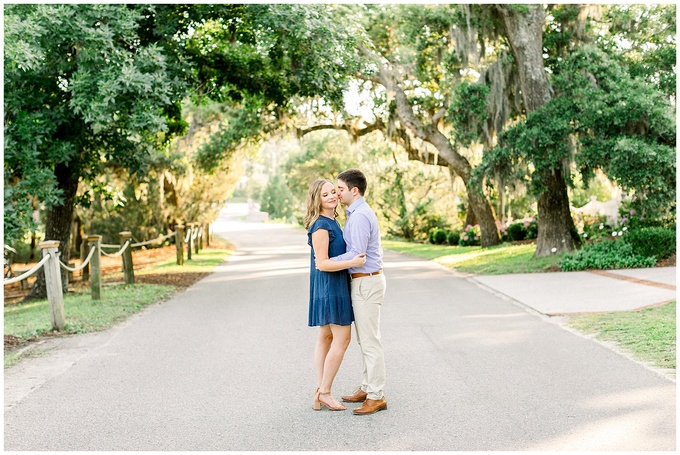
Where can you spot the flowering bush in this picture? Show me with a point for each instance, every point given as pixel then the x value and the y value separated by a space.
pixel 531 225
pixel 503 230
pixel 470 236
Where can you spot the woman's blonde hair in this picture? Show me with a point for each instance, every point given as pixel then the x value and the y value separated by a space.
pixel 314 202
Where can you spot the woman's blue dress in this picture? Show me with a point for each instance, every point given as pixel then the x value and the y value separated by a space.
pixel 329 292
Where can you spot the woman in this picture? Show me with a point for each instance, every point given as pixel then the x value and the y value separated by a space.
pixel 330 306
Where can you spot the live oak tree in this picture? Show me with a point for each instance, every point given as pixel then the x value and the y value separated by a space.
pixel 593 115
pixel 523 26
pixel 90 87
pixel 80 90
pixel 413 62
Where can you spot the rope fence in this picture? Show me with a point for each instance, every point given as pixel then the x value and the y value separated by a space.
pixel 118 253
pixel 28 273
pixel 51 264
pixel 81 266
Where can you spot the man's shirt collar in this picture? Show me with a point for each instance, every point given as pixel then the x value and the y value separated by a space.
pixel 355 205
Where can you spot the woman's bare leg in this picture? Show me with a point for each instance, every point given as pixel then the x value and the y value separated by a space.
pixel 323 345
pixel 341 336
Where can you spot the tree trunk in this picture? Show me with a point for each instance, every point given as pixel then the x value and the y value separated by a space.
pixel 470 218
pixel 58 225
pixel 553 204
pixel 524 30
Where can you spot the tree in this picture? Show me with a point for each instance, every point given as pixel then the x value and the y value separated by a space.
pixel 172 190
pixel 266 61
pixel 80 90
pixel 412 92
pixel 599 117
pixel 523 25
pixel 90 87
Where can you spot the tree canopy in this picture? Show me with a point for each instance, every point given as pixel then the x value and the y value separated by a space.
pixel 503 96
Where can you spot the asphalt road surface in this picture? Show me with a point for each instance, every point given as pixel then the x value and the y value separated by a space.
pixel 227 365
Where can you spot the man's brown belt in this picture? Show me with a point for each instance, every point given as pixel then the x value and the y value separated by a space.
pixel 359 275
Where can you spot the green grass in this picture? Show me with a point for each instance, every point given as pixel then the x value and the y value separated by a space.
pixel 648 335
pixel 495 260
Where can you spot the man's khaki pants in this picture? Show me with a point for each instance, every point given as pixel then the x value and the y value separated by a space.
pixel 367 297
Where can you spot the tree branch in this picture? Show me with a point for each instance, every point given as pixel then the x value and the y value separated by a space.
pixel 353 131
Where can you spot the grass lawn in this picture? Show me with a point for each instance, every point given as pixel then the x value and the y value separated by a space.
pixel 495 260
pixel 648 335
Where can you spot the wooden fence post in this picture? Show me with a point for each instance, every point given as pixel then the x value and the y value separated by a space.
pixel 197 229
pixel 84 251
pixel 128 269
pixel 179 243
pixel 96 276
pixel 190 244
pixel 55 295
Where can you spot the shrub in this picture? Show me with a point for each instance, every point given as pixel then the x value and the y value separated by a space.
pixel 437 236
pixel 425 222
pixel 652 241
pixel 517 231
pixel 591 227
pixel 532 228
pixel 453 237
pixel 470 236
pixel 605 254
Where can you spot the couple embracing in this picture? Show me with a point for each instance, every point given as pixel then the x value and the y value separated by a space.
pixel 346 285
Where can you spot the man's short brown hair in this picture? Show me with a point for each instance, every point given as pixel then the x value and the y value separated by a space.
pixel 354 178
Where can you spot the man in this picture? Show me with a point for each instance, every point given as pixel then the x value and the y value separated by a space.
pixel 362 235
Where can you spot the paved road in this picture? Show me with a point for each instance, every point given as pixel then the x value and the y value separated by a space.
pixel 227 365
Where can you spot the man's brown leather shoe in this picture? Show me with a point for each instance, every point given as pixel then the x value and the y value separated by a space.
pixel 358 396
pixel 371 406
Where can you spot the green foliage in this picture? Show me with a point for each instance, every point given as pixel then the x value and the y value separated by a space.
pixel 652 241
pixel 321 156
pixel 437 236
pixel 173 189
pixel 470 236
pixel 592 227
pixel 407 202
pixel 622 126
pixel 260 58
pixel 277 199
pixel 468 111
pixel 605 254
pixel 517 231
pixel 532 228
pixel 80 90
pixel 643 37
pixel 453 237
